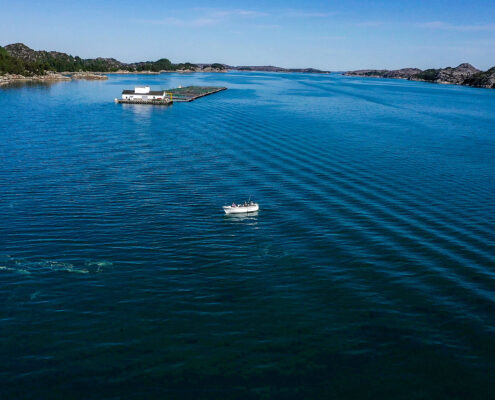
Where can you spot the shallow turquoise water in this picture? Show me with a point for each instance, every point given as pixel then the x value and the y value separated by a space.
pixel 368 273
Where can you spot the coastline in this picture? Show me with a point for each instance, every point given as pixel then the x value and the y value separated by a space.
pixel 52 76
pixel 179 71
pixel 462 75
pixel 13 78
pixel 7 79
pixel 417 80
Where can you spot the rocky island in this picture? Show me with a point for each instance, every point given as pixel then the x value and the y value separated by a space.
pixel 463 74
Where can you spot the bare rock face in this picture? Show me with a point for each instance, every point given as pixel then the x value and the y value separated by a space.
pixel 456 75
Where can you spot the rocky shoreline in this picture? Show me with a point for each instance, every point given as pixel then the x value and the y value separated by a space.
pixel 180 71
pixel 90 76
pixel 464 74
pixel 50 77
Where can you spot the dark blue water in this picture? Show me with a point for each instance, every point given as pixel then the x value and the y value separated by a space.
pixel 368 273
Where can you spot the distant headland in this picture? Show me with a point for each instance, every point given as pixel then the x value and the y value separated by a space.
pixel 18 62
pixel 270 68
pixel 464 74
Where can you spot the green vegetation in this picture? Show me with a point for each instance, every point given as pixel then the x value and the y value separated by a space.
pixel 428 75
pixel 9 64
pixel 186 65
pixel 163 64
pixel 217 66
pixel 92 65
pixel 20 59
pixel 39 65
pixel 482 79
pixel 374 73
pixel 12 65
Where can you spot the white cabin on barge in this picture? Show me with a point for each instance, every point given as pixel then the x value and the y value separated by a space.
pixel 144 93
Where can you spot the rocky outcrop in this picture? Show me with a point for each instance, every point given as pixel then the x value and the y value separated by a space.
pixel 463 74
pixel 89 76
pixel 482 79
pixel 48 77
pixel 57 61
pixel 449 75
pixel 404 73
pixel 208 68
pixel 24 53
pixel 457 75
pixel 124 71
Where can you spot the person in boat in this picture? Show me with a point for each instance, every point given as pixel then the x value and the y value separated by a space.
pixel 234 205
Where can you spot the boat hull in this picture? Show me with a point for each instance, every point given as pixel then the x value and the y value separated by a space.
pixel 241 209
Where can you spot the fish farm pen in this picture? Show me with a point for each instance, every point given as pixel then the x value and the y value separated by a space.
pixel 190 93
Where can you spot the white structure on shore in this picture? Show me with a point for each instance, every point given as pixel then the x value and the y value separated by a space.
pixel 144 93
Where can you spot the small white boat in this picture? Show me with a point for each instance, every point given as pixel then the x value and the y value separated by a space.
pixel 243 208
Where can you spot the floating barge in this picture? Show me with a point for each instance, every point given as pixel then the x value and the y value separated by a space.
pixel 143 95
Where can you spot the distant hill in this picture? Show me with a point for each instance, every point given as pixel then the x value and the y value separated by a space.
pixel 463 74
pixel 18 58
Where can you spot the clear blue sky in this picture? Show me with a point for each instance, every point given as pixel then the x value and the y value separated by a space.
pixel 335 35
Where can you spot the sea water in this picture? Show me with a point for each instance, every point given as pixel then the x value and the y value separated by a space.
pixel 369 271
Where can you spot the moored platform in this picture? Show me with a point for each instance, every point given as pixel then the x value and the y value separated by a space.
pixel 140 95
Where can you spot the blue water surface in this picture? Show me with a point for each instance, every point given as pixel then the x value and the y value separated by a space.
pixel 368 273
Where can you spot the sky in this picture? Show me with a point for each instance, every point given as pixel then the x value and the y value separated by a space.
pixel 330 35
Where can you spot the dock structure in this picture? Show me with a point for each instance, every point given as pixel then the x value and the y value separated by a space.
pixel 190 93
pixel 144 95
